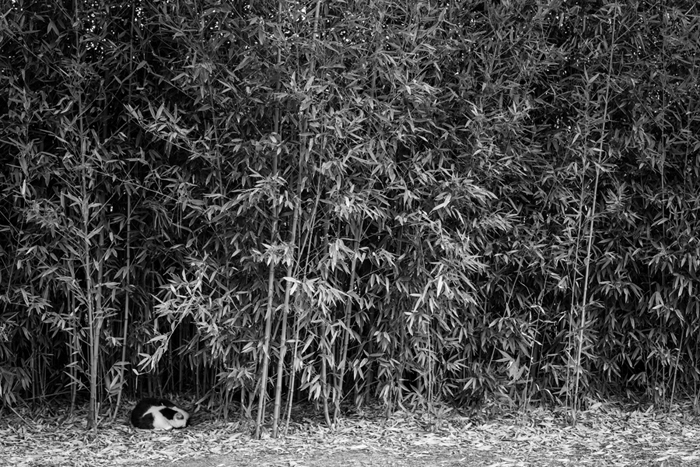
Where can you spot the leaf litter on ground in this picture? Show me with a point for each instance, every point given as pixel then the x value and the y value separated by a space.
pixel 605 435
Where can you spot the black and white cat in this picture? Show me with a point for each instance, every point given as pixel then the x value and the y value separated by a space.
pixel 158 414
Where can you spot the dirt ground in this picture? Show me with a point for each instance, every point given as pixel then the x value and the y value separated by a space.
pixel 355 459
pixel 605 435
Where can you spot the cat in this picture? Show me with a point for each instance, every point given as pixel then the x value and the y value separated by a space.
pixel 159 414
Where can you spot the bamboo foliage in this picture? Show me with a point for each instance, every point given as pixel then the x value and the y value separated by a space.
pixel 415 202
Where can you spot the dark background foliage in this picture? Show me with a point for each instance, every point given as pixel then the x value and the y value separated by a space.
pixel 422 201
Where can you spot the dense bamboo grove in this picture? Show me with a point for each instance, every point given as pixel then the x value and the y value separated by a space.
pixel 415 201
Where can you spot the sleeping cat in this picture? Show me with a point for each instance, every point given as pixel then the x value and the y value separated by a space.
pixel 159 414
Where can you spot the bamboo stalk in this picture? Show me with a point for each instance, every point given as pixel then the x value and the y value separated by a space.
pixel 591 229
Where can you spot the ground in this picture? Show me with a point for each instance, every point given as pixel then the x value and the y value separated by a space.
pixel 604 435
